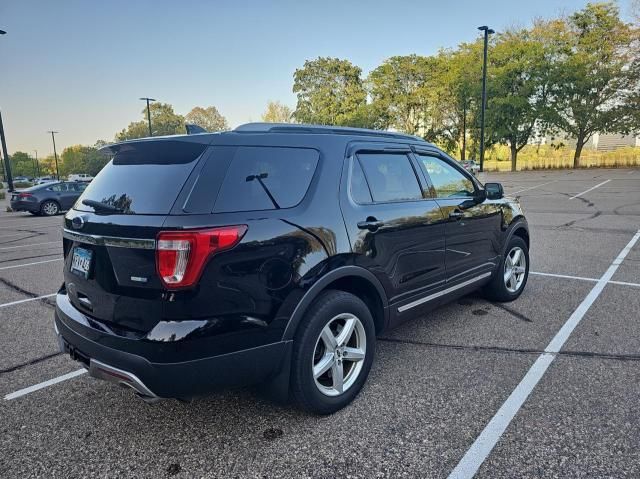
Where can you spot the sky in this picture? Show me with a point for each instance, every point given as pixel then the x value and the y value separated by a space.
pixel 79 67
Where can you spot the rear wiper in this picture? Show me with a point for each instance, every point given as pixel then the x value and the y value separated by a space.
pixel 264 187
pixel 103 207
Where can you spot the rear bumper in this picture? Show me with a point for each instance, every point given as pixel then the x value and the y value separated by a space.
pixel 25 206
pixel 182 379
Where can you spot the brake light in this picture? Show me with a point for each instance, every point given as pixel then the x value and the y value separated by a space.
pixel 181 255
pixel 25 195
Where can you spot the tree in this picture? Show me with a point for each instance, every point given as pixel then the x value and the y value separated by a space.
pixel 22 164
pixel 330 92
pixel 596 75
pixel 208 118
pixel 518 87
pixel 164 121
pixel 276 112
pixel 82 159
pixel 400 93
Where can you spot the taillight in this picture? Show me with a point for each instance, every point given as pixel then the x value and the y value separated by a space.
pixel 25 195
pixel 181 255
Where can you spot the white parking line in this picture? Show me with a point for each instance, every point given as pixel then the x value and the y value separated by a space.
pixel 45 384
pixel 30 264
pixel 489 437
pixel 582 278
pixel 30 244
pixel 20 301
pixel 532 187
pixel 590 189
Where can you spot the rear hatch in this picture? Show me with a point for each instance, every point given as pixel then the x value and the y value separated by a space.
pixel 110 234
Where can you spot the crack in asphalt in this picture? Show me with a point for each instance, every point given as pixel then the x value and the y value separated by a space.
pixel 31 257
pixel 499 349
pixel 29 363
pixel 513 312
pixel 26 292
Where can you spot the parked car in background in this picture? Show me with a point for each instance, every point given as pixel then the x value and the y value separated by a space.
pixel 471 166
pixel 22 179
pixel 273 254
pixel 45 179
pixel 48 199
pixel 80 177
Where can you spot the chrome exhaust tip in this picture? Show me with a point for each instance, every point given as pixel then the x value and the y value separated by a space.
pixel 100 370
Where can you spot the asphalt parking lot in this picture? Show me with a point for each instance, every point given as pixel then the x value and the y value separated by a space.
pixel 546 386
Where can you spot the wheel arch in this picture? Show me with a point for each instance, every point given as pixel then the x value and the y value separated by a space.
pixel 352 279
pixel 518 228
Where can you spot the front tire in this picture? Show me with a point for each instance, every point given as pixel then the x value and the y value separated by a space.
pixel 49 208
pixel 333 351
pixel 511 277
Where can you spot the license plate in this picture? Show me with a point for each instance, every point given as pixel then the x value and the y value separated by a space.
pixel 81 262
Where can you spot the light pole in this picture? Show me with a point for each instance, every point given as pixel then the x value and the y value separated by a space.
pixel 37 169
pixel 487 31
pixel 55 153
pixel 148 112
pixel 5 153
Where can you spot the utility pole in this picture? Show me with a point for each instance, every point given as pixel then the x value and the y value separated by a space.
pixel 37 169
pixel 487 31
pixel 5 154
pixel 148 112
pixel 55 153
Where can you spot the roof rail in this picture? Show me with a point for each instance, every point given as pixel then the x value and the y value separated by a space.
pixel 319 129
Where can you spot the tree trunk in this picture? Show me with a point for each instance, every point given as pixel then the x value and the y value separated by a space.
pixel 514 156
pixel 576 157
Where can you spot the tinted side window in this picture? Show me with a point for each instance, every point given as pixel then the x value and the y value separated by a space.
pixel 257 174
pixel 359 188
pixel 447 181
pixel 390 177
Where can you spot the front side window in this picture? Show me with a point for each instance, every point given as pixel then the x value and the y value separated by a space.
pixel 390 177
pixel 447 181
pixel 266 178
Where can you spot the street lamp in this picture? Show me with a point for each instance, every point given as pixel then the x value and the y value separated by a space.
pixel 5 153
pixel 148 112
pixel 55 153
pixel 487 31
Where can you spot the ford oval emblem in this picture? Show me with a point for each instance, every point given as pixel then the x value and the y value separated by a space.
pixel 77 223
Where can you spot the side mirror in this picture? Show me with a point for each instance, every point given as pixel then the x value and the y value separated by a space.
pixel 480 196
pixel 494 191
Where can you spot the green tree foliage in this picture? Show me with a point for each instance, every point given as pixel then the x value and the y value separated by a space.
pixel 276 112
pixel 400 92
pixel 596 74
pixel 82 159
pixel 164 121
pixel 22 164
pixel 209 119
pixel 330 92
pixel 519 84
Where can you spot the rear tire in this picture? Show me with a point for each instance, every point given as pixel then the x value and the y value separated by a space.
pixel 49 208
pixel 333 350
pixel 511 276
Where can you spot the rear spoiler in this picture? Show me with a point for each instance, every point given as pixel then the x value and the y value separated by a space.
pixel 194 129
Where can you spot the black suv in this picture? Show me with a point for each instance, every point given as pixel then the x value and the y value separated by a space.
pixel 273 254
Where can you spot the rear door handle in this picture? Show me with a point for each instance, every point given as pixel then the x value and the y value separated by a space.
pixel 370 224
pixel 456 215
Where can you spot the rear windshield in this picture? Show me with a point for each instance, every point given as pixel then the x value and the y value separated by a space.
pixel 144 178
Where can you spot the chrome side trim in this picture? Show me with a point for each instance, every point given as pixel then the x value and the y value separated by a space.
pixel 113 241
pixel 433 296
pixel 108 373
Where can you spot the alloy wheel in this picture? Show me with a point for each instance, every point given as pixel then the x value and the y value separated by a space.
pixel 515 268
pixel 339 354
